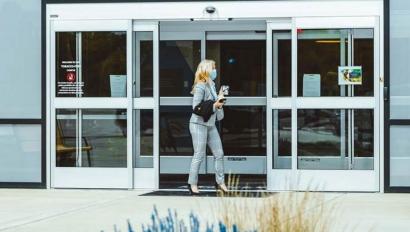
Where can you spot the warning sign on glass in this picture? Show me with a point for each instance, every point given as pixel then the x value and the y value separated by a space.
pixel 69 85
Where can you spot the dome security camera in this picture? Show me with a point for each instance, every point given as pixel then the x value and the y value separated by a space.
pixel 210 9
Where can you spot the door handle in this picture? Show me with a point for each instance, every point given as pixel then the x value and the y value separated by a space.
pixel 386 93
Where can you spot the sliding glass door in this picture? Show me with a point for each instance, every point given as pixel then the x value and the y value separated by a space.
pixel 325 126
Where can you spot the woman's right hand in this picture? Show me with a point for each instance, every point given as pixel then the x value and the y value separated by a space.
pixel 218 105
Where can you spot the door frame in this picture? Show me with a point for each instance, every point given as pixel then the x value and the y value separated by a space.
pixel 89 177
pixel 146 177
pixel 142 11
pixel 323 180
pixel 204 31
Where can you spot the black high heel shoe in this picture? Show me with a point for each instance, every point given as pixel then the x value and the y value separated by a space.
pixel 218 188
pixel 192 192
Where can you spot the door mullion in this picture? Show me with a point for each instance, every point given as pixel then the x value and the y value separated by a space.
pixel 350 111
pixel 294 138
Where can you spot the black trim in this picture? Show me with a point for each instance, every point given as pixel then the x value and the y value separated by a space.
pixel 20 121
pixel 386 102
pixel 22 185
pixel 388 122
pixel 398 122
pixel 43 96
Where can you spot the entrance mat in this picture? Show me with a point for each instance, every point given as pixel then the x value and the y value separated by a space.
pixel 185 193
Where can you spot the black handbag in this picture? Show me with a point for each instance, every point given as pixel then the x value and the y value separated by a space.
pixel 204 109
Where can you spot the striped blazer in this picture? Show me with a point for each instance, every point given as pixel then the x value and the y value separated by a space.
pixel 203 92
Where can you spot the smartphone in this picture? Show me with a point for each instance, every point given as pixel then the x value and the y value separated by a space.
pixel 225 89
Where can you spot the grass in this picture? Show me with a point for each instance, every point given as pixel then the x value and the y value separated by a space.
pixel 237 211
pixel 282 212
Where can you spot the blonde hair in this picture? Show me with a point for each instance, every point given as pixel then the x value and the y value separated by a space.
pixel 203 72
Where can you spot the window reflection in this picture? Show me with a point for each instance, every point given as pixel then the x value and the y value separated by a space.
pixel 104 56
pixel 66 51
pixel 98 70
pixel 144 64
pixel 103 141
pixel 174 135
pixel 363 133
pixel 243 130
pixel 319 53
pixel 282 64
pixel 364 56
pixel 241 65
pixel 178 61
pixel 66 136
pixel 106 132
pixel 143 143
pixel 282 139
pixel 323 139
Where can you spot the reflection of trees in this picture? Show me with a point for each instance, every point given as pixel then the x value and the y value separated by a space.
pixel 323 124
pixel 65 51
pixel 103 54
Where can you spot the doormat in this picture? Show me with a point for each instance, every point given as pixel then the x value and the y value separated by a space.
pixel 185 193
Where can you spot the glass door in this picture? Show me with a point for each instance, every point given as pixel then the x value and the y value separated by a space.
pixel 145 107
pixel 324 129
pixel 240 57
pixel 239 49
pixel 91 91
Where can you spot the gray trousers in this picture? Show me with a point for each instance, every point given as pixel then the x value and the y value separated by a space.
pixel 201 136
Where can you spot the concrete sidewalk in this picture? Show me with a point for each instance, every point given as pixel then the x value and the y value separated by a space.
pixel 97 210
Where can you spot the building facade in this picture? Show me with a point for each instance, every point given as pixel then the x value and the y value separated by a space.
pixel 317 96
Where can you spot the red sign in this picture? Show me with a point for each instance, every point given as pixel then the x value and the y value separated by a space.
pixel 70 76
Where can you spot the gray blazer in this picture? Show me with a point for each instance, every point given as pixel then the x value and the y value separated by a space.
pixel 204 92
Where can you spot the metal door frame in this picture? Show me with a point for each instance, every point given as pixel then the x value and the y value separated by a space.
pixel 324 180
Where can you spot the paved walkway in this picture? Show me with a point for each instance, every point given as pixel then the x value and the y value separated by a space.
pixel 98 210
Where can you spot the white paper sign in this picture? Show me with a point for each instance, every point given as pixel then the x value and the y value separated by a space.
pixel 311 85
pixel 118 85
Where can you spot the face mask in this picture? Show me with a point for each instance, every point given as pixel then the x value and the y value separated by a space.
pixel 213 74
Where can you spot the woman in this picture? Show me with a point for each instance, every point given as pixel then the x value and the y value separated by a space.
pixel 202 132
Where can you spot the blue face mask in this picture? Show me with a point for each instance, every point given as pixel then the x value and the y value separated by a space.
pixel 213 74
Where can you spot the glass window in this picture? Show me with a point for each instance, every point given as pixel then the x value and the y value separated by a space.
pixel 144 128
pixel 320 144
pixel 243 130
pixel 319 56
pixel 399 156
pixel 66 138
pixel 321 52
pixel 178 61
pixel 91 64
pixel 282 64
pixel 144 67
pixel 100 140
pixel 282 139
pixel 20 59
pixel 363 139
pixel 105 132
pixel 241 65
pixel 20 158
pixel 399 59
pixel 174 135
pixel 328 139
pixel 364 56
